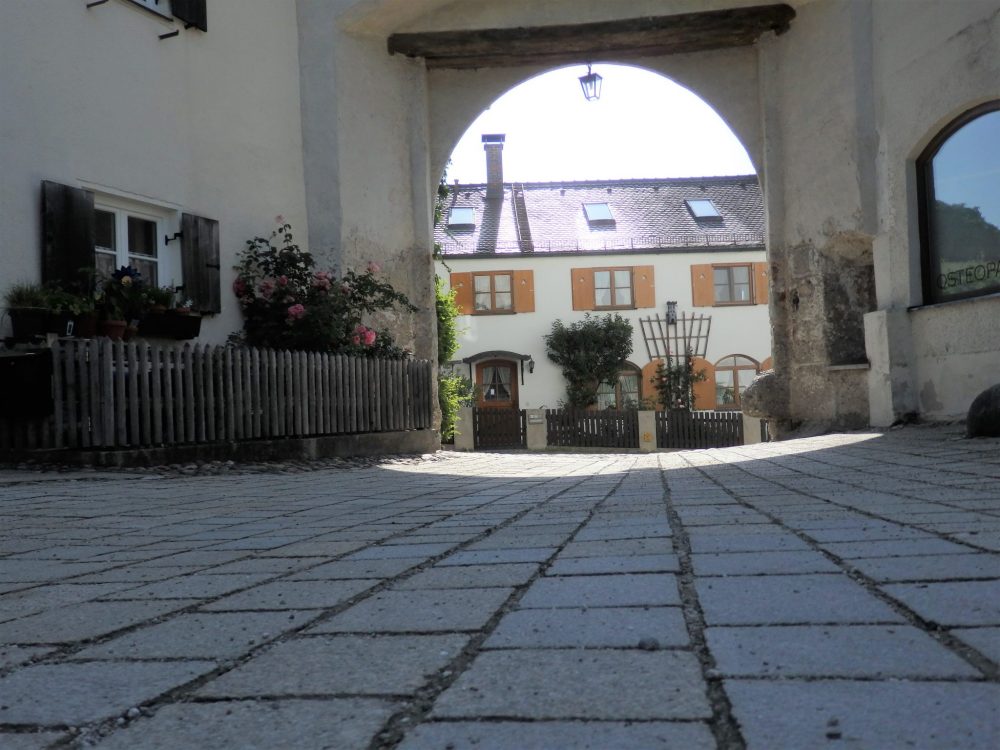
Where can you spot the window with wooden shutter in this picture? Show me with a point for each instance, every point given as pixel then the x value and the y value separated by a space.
pixel 462 284
pixel 524 291
pixel 582 280
pixel 191 12
pixel 704 390
pixel 761 283
pixel 200 263
pixel 645 289
pixel 67 235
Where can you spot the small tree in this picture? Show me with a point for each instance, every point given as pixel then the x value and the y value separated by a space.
pixel 454 391
pixel 590 352
pixel 674 382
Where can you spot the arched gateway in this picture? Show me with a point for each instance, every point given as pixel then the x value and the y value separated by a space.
pixel 388 86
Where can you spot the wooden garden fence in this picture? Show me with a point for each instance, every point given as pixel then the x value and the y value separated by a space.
pixel 132 395
pixel 592 429
pixel 683 430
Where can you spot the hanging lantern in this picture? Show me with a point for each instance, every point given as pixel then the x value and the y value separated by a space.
pixel 591 85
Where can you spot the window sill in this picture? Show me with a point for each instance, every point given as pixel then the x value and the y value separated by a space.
pixel 959 301
pixel 493 312
pixel 734 304
pixel 616 307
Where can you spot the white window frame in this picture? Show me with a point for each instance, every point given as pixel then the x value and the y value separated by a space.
pixel 598 213
pixel 695 206
pixel 456 220
pixel 159 7
pixel 168 256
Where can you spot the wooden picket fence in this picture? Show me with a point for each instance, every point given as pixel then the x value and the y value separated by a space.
pixel 132 395
pixel 685 430
pixel 592 429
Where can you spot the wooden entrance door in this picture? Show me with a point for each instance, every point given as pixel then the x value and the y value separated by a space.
pixel 497 381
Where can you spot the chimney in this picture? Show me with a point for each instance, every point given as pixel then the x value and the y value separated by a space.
pixel 493 145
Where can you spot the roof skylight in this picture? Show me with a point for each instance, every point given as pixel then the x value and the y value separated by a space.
pixel 703 209
pixel 598 212
pixel 462 217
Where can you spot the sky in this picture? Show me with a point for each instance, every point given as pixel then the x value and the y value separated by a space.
pixel 644 125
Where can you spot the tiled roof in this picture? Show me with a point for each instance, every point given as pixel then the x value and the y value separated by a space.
pixel 648 214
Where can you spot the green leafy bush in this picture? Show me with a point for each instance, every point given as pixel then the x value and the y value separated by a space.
pixel 454 392
pixel 589 352
pixel 288 304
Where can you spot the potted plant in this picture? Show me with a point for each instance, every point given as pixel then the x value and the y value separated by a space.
pixel 77 309
pixel 176 322
pixel 123 303
pixel 29 307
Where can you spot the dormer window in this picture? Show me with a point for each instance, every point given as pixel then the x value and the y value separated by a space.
pixel 462 217
pixel 703 209
pixel 598 213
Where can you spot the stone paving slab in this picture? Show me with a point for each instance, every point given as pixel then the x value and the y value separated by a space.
pixel 79 622
pixel 559 735
pixel 625 590
pixel 293 595
pixel 541 684
pixel 761 563
pixel 218 636
pixel 88 691
pixel 503 575
pixel 249 725
pixel 987 640
pixel 952 603
pixel 788 600
pixel 603 627
pixel 425 611
pixel 30 741
pixel 332 665
pixel 575 566
pixel 791 715
pixel 930 567
pixel 833 651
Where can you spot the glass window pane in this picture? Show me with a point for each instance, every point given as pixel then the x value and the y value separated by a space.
pixel 602 297
pixel 606 396
pixel 741 292
pixel 147 268
pixel 105 264
pixel 141 237
pixel 503 301
pixel 724 390
pixel 741 274
pixel 623 296
pixel 623 278
pixel 501 283
pixel 598 212
pixel 459 216
pixel 481 283
pixel 104 229
pixel 703 209
pixel 483 301
pixel 602 279
pixel 964 219
pixel 629 384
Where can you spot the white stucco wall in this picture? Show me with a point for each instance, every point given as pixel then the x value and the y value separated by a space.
pixel 734 330
pixel 205 123
pixel 932 62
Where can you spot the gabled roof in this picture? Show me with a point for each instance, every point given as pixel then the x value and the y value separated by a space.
pixel 645 215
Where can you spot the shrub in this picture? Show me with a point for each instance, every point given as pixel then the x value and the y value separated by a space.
pixel 454 392
pixel 288 304
pixel 674 382
pixel 590 352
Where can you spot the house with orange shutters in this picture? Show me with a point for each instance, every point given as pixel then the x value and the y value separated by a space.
pixel 523 255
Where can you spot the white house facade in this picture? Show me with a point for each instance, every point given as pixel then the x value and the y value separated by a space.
pixel 522 255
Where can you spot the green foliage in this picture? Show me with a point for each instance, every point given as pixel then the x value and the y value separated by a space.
pixel 27 295
pixel 440 202
pixel 288 304
pixel 674 382
pixel 590 352
pixel 447 321
pixel 454 392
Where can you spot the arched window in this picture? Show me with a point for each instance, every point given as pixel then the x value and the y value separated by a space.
pixel 959 188
pixel 624 393
pixel 732 376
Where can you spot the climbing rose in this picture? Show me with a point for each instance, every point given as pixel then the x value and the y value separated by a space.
pixel 374 267
pixel 295 312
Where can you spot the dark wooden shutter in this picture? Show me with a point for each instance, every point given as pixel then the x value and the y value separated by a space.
pixel 200 262
pixel 191 12
pixel 67 235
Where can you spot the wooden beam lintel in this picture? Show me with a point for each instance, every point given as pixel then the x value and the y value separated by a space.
pixel 621 39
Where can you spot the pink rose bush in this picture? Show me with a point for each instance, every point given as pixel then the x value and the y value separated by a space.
pixel 288 303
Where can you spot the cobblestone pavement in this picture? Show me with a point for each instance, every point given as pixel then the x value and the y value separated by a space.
pixel 840 591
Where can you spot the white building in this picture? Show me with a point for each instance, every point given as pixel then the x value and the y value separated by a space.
pixel 522 255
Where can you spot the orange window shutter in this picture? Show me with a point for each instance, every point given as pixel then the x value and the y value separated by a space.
pixel 462 284
pixel 647 385
pixel 583 288
pixel 702 285
pixel 704 390
pixel 524 291
pixel 645 288
pixel 761 283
